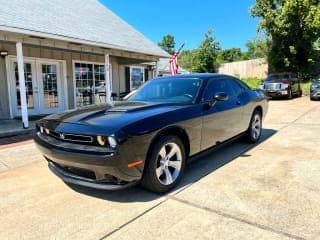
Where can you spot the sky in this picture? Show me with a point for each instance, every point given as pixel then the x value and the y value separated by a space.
pixel 189 20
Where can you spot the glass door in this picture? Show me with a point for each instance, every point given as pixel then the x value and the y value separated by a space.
pixel 32 88
pixel 43 86
pixel 49 81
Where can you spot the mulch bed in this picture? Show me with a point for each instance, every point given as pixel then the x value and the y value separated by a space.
pixel 15 141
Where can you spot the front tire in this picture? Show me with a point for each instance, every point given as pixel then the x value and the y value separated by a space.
pixel 255 128
pixel 290 94
pixel 165 164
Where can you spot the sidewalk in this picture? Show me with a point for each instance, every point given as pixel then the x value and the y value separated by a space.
pixel 14 127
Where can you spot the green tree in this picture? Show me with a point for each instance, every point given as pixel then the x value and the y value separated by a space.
pixel 168 44
pixel 293 26
pixel 229 55
pixel 257 48
pixel 185 59
pixel 204 57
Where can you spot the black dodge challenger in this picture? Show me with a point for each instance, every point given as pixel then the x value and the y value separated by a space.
pixel 149 137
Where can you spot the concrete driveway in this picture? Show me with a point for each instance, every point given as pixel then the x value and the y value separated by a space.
pixel 267 191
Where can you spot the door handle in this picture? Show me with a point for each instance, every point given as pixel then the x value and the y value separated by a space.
pixel 238 103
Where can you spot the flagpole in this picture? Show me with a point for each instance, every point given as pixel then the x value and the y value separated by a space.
pixel 182 45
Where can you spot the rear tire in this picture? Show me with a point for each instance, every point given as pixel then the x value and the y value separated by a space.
pixel 255 128
pixel 165 164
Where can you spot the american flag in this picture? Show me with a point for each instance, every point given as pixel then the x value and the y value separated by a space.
pixel 174 66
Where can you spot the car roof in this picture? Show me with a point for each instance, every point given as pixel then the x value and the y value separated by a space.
pixel 282 73
pixel 196 75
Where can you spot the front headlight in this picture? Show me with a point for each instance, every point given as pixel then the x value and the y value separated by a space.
pixel 112 142
pixel 102 140
pixel 284 86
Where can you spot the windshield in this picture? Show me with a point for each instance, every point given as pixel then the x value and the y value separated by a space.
pixel 278 77
pixel 168 90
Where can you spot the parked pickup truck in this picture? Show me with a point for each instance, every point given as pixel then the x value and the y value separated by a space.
pixel 282 85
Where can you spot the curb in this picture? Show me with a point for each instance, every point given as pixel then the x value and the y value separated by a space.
pixel 16 132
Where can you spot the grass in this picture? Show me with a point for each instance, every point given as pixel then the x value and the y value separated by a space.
pixel 254 83
pixel 306 88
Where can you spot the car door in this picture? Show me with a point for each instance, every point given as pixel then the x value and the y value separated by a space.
pixel 220 121
pixel 244 101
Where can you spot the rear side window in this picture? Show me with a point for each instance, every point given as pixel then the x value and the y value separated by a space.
pixel 215 86
pixel 243 85
pixel 236 87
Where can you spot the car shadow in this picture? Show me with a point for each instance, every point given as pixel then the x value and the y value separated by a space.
pixel 198 167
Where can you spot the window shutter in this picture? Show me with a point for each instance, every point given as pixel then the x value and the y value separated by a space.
pixel 127 77
pixel 146 74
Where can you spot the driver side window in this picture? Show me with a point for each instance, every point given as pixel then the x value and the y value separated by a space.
pixel 215 86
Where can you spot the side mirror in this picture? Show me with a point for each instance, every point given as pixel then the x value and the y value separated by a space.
pixel 221 96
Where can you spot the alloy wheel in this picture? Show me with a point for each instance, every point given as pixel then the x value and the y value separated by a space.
pixel 169 163
pixel 256 126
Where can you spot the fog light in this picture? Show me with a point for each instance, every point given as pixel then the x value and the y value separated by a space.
pixel 112 142
pixel 101 140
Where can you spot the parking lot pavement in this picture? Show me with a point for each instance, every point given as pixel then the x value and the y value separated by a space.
pixel 17 156
pixel 266 191
pixel 36 205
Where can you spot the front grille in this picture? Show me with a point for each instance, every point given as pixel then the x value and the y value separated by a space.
pixel 68 137
pixel 272 86
pixel 78 138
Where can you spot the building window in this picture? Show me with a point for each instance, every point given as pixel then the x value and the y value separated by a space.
pixel 90 84
pixel 136 77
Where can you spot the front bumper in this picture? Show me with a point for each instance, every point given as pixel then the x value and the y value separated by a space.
pixel 86 182
pixel 315 94
pixel 104 168
pixel 276 93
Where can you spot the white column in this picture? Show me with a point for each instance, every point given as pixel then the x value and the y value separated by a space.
pixel 156 73
pixel 22 86
pixel 108 80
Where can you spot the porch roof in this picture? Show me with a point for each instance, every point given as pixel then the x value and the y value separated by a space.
pixel 85 22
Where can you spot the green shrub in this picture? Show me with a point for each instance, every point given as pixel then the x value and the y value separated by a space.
pixel 305 88
pixel 252 82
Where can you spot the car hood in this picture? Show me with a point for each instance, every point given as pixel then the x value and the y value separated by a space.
pixel 276 84
pixel 285 81
pixel 112 118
